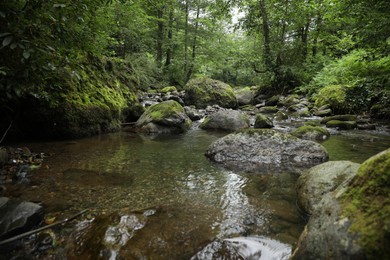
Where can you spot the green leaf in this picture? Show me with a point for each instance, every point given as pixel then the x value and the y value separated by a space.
pixel 59 5
pixel 7 40
pixel 26 54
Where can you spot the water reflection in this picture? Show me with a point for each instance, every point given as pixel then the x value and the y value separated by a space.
pixel 238 213
pixel 120 173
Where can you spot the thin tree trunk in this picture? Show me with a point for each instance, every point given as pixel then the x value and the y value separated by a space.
pixel 169 48
pixel 266 34
pixel 193 56
pixel 160 36
pixel 186 40
pixel 316 35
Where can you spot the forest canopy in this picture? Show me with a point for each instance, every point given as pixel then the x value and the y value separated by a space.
pixel 281 46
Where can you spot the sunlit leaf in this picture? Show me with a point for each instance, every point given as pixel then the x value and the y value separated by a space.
pixel 7 40
pixel 26 54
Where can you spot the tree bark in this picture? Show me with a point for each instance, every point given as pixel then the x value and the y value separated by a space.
pixel 266 34
pixel 160 35
pixel 170 36
pixel 193 56
pixel 186 39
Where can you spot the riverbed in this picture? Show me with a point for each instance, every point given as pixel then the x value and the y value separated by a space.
pixel 189 201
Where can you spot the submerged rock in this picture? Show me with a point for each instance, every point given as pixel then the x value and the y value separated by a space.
pixel 341 125
pixel 203 92
pixel 265 150
pixel 229 120
pixel 165 117
pixel 352 222
pixel 309 132
pixel 259 248
pixel 18 216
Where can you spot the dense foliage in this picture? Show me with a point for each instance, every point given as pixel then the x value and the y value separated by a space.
pixel 281 46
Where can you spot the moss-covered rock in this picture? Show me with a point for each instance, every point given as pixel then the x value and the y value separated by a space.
pixel 289 100
pixel 308 132
pixel 268 110
pixel 262 121
pixel 165 117
pixel 227 120
pixel 352 221
pixel 168 89
pixel 380 111
pixel 203 92
pixel 334 96
pixel 366 203
pixel 341 125
pixel 322 179
pixel 82 99
pixel 339 118
pixel 280 116
pixel 245 95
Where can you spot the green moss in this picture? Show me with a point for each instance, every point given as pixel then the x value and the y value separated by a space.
pixel 342 125
pixel 85 99
pixel 202 92
pixel 262 121
pixel 366 203
pixel 339 117
pixel 334 96
pixel 168 89
pixel 163 110
pixel 311 132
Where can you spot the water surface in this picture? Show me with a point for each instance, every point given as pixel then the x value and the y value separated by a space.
pixel 122 175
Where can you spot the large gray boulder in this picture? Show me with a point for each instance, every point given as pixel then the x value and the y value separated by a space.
pixel 18 216
pixel 352 222
pixel 165 117
pixel 322 179
pixel 245 95
pixel 203 92
pixel 264 150
pixel 228 120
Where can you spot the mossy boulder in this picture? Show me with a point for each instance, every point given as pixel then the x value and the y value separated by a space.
pixel 168 89
pixel 339 118
pixel 165 117
pixel 280 116
pixel 203 92
pixel 352 221
pixel 334 96
pixel 265 150
pixel 268 110
pixel 380 111
pixel 84 99
pixel 321 179
pixel 245 95
pixel 309 132
pixel 227 120
pixel 341 125
pixel 263 121
pixel 366 203
pixel 272 101
pixel 289 100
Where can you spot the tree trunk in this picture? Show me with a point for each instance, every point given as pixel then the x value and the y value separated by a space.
pixel 266 34
pixel 169 48
pixel 186 39
pixel 160 36
pixel 191 67
pixel 316 35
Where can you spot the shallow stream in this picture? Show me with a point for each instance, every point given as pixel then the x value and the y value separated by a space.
pixel 167 198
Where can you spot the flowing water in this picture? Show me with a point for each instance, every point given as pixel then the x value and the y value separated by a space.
pixel 161 198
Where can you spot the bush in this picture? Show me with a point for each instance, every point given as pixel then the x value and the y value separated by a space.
pixel 364 77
